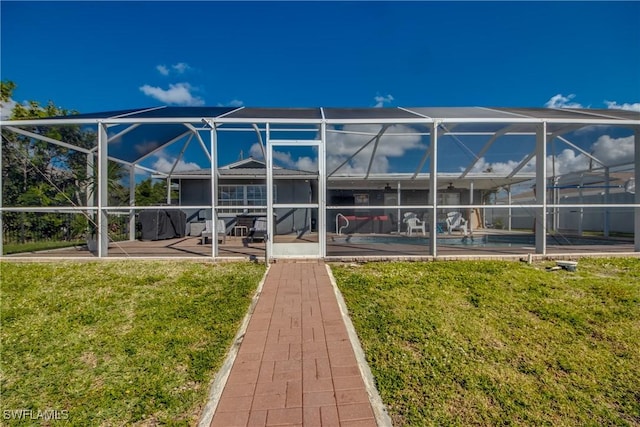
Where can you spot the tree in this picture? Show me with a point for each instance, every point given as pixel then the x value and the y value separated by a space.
pixel 37 173
pixel 149 193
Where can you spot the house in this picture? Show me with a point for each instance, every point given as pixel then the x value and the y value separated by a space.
pixel 242 191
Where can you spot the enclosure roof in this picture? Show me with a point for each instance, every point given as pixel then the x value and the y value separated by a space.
pixel 452 114
pixel 135 134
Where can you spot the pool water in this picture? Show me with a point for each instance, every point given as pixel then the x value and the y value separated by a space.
pixel 477 241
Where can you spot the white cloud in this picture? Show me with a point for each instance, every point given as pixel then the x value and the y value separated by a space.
pixel 613 105
pixel 381 100
pixel 181 67
pixel 501 168
pixel 561 101
pixel 179 94
pixel 162 69
pixel 255 151
pixel 341 146
pixel 232 103
pixel 614 150
pixel 6 108
pixel 610 151
pixel 284 158
pixel 164 164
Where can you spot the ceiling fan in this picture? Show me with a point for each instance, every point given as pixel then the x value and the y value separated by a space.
pixel 451 187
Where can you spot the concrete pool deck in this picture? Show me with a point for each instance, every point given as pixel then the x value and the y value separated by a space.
pixel 338 248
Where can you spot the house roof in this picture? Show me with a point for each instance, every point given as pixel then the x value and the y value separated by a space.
pixel 243 169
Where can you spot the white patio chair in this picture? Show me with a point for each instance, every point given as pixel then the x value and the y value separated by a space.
pixel 455 221
pixel 414 224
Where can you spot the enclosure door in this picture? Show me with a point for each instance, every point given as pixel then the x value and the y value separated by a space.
pixel 293 219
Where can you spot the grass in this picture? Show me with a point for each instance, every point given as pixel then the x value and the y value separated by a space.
pixel 118 343
pixel 500 343
pixel 14 248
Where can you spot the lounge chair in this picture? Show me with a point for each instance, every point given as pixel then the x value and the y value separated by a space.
pixel 221 231
pixel 414 224
pixel 455 221
pixel 259 230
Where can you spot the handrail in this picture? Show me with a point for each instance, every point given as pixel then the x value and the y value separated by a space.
pixel 338 228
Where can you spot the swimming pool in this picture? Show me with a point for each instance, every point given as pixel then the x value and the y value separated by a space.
pixel 499 240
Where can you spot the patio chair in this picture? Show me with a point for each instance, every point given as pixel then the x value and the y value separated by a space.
pixel 221 231
pixel 455 221
pixel 259 230
pixel 414 224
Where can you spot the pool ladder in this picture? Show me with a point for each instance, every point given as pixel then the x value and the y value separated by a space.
pixel 338 228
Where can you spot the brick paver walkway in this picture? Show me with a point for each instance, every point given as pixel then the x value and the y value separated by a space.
pixel 295 365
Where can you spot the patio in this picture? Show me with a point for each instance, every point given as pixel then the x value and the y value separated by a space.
pixel 355 247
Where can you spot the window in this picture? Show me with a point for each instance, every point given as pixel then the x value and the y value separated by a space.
pixel 240 197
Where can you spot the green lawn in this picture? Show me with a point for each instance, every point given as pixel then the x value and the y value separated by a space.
pixel 118 343
pixel 500 343
pixel 14 248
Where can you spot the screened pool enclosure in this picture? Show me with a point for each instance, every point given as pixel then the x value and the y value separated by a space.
pixel 335 183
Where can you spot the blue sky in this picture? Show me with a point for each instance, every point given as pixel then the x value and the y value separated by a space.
pixel 96 56
pixel 100 56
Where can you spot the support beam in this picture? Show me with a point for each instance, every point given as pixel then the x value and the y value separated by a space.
pixel 428 152
pixel 168 190
pixel 509 201
pixel 123 132
pixel 197 134
pixel 472 211
pixel 322 190
pixel 540 222
pixel 1 200
pixel 375 148
pixel 523 163
pixel 433 191
pixel 260 141
pixel 486 147
pixel 184 148
pixel 132 202
pixel 636 221
pixel 103 192
pixel 163 146
pixel 607 212
pixel 47 139
pixel 580 150
pixel 271 226
pixel 399 203
pixel 214 188
pixel 366 144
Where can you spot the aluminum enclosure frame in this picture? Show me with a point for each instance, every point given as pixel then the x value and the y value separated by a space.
pixel 545 124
